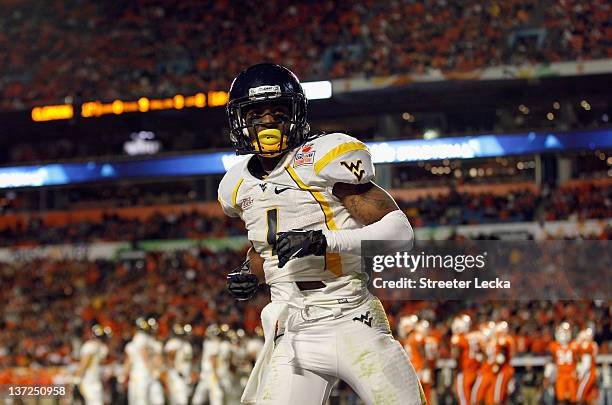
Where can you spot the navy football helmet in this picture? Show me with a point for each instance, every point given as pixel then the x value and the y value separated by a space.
pixel 267 84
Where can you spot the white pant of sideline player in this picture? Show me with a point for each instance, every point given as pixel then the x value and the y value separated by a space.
pixel 355 346
pixel 208 391
pixel 145 391
pixel 92 391
pixel 178 388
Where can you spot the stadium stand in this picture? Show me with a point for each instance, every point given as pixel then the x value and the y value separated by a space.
pixel 447 206
pixel 113 50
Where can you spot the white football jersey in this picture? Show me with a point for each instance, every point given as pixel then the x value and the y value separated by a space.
pixel 183 355
pixel 210 349
pixel 297 194
pixel 225 357
pixel 98 352
pixel 141 349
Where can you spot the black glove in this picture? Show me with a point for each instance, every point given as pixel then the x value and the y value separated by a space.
pixel 299 243
pixel 242 284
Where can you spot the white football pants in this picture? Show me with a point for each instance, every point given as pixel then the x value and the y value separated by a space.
pixel 208 391
pixel 356 346
pixel 145 391
pixel 92 392
pixel 178 389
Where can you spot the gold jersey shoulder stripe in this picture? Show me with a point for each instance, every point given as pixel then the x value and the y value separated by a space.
pixel 318 196
pixel 235 192
pixel 335 152
pixel 333 262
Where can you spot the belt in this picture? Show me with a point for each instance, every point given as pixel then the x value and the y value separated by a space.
pixel 309 285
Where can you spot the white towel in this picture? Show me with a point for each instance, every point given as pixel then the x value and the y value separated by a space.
pixel 273 313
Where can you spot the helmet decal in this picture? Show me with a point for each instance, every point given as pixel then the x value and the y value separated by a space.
pixel 270 91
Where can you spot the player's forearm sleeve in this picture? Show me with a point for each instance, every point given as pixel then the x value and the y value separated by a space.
pixel 393 226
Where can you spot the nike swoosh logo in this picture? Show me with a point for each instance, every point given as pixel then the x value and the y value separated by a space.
pixel 280 190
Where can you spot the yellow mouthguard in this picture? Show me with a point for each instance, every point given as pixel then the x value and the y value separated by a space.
pixel 270 139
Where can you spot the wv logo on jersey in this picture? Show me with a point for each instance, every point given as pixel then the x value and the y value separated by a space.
pixel 355 168
pixel 365 318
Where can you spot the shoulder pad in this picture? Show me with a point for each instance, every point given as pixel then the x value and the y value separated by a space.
pixel 228 189
pixel 342 158
pixel 87 348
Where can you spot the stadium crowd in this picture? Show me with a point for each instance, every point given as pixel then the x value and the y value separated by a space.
pixel 577 203
pixel 517 206
pixel 191 225
pixel 86 50
pixel 51 303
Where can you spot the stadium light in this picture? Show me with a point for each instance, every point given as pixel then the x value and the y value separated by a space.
pixel 52 113
pixel 431 134
pixel 585 104
pixel 314 91
pixel 317 90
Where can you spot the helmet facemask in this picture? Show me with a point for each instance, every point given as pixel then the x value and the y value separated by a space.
pixel 251 133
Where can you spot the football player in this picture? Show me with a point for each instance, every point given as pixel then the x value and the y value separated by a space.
pixel 504 372
pixel 209 388
pixel 254 345
pixel 563 367
pixel 415 345
pixel 482 391
pixel 89 373
pixel 308 201
pixel 232 358
pixel 587 369
pixel 143 362
pixel 178 353
pixel 464 349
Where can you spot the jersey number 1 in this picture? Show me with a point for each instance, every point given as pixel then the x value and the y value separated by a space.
pixel 272 221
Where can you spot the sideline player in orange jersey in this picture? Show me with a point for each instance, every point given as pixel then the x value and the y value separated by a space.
pixel 564 353
pixel 464 349
pixel 432 347
pixel 485 376
pixel 587 369
pixel 413 343
pixel 504 372
pixel 415 347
